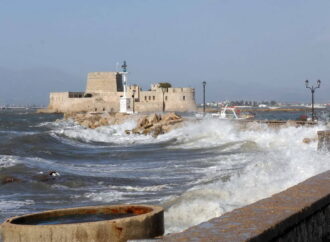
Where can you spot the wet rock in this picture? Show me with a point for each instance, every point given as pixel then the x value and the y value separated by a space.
pixel 153 118
pixel 171 116
pixel 142 122
pixel 156 124
pixel 158 130
pixel 9 179
pixel 148 126
pixel 306 140
pixel 95 120
pixel 103 122
pixel 50 176
pixel 309 140
pixel 153 124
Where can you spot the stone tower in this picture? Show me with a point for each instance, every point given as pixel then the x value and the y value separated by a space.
pixel 104 82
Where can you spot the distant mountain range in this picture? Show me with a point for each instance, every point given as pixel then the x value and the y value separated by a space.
pixel 32 86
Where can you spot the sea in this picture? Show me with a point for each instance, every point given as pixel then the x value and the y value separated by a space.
pixel 202 170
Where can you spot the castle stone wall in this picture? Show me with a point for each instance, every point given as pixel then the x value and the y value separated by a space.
pixel 60 102
pixel 102 82
pixel 175 99
pixel 104 90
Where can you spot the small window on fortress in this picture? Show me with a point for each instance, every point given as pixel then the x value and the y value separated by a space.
pixel 145 98
pixel 165 98
pixel 184 98
pixel 153 98
pixel 103 109
pixel 95 109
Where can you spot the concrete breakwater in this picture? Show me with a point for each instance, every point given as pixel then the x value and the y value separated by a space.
pixel 277 123
pixel 300 213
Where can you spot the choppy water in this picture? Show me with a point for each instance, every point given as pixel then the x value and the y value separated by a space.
pixel 196 172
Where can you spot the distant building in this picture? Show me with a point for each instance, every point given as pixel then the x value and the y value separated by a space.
pixel 105 90
pixel 262 106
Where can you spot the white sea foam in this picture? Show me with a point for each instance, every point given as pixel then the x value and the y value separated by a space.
pixel 13 204
pixel 17 133
pixel 246 165
pixel 283 160
pixel 8 161
pixel 104 196
pixel 140 189
pixel 114 134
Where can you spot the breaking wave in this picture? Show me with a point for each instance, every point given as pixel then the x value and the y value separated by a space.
pixel 279 160
pixel 197 172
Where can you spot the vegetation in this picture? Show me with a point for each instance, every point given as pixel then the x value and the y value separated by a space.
pixel 164 85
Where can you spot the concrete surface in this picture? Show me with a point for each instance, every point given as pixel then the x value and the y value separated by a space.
pixel 146 222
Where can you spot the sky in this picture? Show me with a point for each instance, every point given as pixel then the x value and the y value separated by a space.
pixel 244 50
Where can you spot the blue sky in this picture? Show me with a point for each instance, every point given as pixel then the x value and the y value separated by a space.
pixel 254 50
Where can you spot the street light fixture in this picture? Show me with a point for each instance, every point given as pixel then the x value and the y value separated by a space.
pixel 204 84
pixel 313 91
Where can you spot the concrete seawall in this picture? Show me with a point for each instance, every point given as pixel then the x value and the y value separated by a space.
pixel 300 213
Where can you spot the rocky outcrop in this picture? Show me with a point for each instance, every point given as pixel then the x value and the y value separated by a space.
pixel 309 140
pixel 95 120
pixel 156 124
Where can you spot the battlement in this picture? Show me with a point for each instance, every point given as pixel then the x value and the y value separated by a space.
pixel 180 89
pixel 156 87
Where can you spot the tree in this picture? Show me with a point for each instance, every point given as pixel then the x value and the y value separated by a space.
pixel 164 85
pixel 273 103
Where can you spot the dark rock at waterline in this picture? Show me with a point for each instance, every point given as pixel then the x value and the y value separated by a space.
pixel 9 179
pixel 50 176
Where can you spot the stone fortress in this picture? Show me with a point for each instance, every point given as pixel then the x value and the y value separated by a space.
pixel 109 92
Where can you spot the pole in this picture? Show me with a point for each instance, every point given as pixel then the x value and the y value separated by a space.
pixel 163 91
pixel 204 84
pixel 313 115
pixel 312 88
pixel 133 96
pixel 133 101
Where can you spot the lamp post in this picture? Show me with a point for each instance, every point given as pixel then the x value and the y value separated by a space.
pixel 133 96
pixel 204 84
pixel 313 91
pixel 163 91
